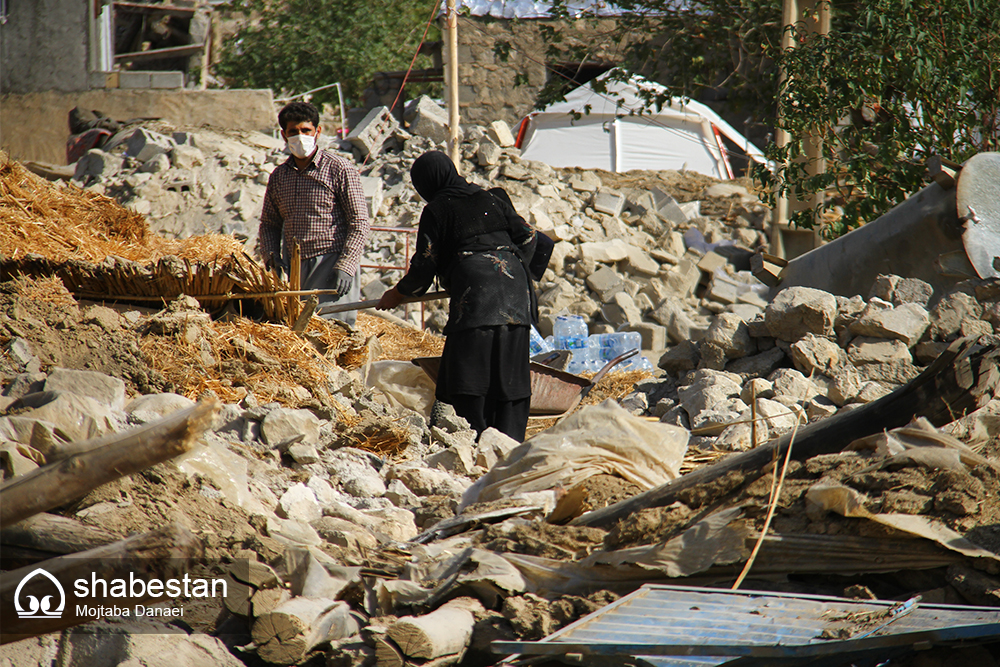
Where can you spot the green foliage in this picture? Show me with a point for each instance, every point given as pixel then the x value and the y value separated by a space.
pixel 292 46
pixel 894 82
pixel 906 79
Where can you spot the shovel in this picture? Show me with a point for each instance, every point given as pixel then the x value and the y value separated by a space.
pixel 371 303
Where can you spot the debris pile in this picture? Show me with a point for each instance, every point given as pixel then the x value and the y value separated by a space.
pixel 355 528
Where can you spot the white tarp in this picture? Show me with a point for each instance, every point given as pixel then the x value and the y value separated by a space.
pixel 595 130
pixel 533 9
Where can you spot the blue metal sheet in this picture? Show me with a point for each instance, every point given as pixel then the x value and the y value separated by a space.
pixel 711 627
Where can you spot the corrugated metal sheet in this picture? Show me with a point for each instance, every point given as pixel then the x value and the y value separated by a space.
pixel 712 627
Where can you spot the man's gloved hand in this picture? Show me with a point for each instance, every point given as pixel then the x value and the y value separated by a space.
pixel 342 281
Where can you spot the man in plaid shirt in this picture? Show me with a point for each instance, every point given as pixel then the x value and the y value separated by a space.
pixel 315 199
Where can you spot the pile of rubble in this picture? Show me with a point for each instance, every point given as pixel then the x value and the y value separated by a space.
pixel 354 530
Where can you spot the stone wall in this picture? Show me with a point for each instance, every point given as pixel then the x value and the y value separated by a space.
pixel 489 89
pixel 35 125
pixel 43 46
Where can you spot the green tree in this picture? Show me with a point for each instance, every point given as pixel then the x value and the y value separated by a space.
pixel 292 46
pixel 904 80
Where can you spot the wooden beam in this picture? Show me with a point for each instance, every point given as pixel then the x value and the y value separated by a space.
pixel 93 463
pixel 160 54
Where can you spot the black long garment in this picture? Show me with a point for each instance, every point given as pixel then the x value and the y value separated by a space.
pixel 475 245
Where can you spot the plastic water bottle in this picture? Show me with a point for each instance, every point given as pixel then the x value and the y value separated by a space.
pixel 570 332
pixel 582 360
pixel 538 344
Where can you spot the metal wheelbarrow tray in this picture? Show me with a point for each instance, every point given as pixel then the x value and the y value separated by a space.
pixel 553 392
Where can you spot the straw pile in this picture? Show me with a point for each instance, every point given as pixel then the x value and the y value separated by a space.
pixel 102 250
pixel 398 342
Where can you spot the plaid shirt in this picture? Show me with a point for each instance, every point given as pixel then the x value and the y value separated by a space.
pixel 322 207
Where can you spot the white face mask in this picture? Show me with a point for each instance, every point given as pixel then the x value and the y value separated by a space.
pixel 301 145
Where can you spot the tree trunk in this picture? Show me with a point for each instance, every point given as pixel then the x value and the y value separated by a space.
pixel 445 631
pixel 47 535
pixel 964 378
pixel 90 466
pixel 286 635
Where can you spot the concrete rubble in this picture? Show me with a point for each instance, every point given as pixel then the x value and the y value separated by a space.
pixel 288 481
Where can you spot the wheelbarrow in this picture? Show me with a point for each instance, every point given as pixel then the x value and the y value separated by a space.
pixel 553 392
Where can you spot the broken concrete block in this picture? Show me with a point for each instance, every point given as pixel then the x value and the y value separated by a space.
pixel 399 495
pixel 723 288
pixel 614 250
pixel 883 287
pixel 605 282
pixel 96 165
pixel 303 454
pixel 144 144
pixel 707 390
pixel 684 278
pixel 369 135
pixel 426 481
pixel 374 190
pixel 711 262
pixel 608 202
pixel 654 336
pixel 912 290
pixel 725 190
pixel 430 120
pixel 621 310
pixel 585 181
pixel 729 333
pixel 845 385
pixel 906 322
pixel 343 533
pixel 500 132
pixel 155 165
pixel 815 354
pixel 24 384
pixel 672 212
pixel 283 424
pixel 459 458
pixel 106 390
pixel 501 443
pixel 762 364
pixel 292 532
pixel 156 406
pixel 639 263
pixel 364 486
pixel 796 311
pixel 488 154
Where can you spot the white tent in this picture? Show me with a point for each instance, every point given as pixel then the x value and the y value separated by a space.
pixel 617 135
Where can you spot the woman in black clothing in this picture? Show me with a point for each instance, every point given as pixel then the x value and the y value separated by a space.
pixel 479 248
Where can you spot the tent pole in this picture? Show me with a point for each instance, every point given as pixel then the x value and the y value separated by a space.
pixel 451 23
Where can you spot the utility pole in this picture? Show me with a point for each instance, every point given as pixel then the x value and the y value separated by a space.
pixel 785 241
pixel 451 24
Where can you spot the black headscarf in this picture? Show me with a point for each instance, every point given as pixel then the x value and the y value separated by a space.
pixel 434 175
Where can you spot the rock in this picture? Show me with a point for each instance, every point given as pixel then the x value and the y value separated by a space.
pixel 499 132
pixel 912 290
pixel 303 454
pixel 136 643
pixel 775 416
pixel 156 406
pixel 815 354
pixel 684 278
pixel 927 351
pixel 282 424
pixel 906 322
pixel 756 388
pixel 21 354
pixel 24 384
pixel 458 458
pixel 501 443
pixel 758 365
pixel 871 391
pixel 430 120
pixel 883 287
pixel 369 135
pixel 820 407
pixel 395 523
pixel 680 326
pixel 374 191
pixel 608 202
pixel 707 391
pixel 639 263
pixel 846 386
pixel 725 190
pixel 299 503
pixel 345 534
pixel 96 165
pixel 187 157
pixel 681 358
pixel 792 383
pixel 796 311
pixel 489 154
pixel 605 282
pixel 104 389
pixel 400 496
pixel 948 315
pixel 426 481
pixel 144 144
pixel 730 334
pixel 325 493
pixel 864 350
